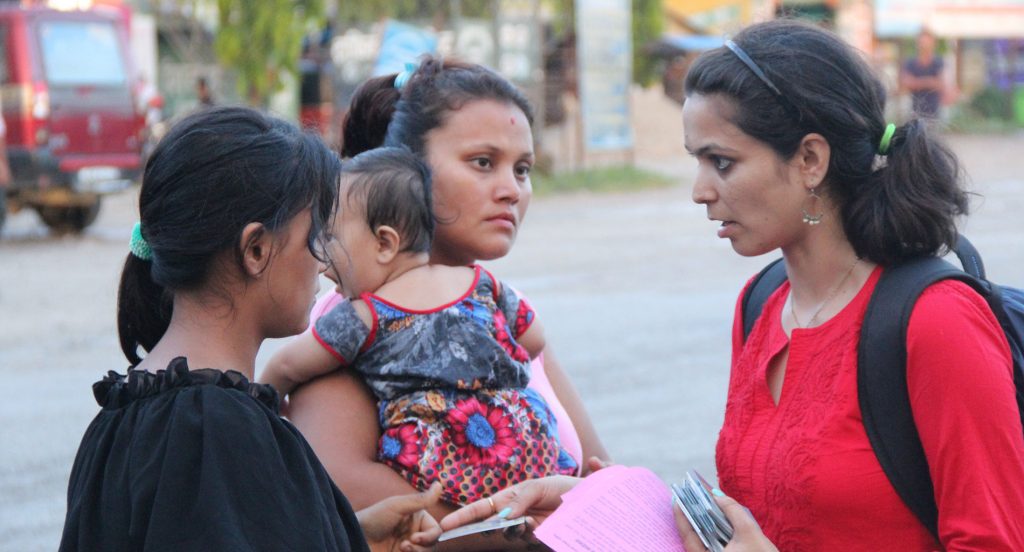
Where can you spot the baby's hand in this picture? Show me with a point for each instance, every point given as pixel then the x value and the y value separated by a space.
pixel 594 463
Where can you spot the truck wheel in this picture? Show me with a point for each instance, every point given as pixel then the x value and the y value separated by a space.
pixel 64 219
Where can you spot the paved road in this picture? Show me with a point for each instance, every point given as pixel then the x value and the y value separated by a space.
pixel 635 290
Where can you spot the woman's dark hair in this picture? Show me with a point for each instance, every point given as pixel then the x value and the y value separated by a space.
pixel 906 207
pixel 380 114
pixel 215 172
pixel 393 185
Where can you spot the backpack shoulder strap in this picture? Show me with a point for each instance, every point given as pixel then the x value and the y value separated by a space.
pixel 969 257
pixel 882 380
pixel 758 292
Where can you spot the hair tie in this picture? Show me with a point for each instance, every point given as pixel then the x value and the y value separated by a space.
pixel 138 244
pixel 883 144
pixel 402 78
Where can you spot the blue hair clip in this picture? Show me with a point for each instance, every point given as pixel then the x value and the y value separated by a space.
pixel 404 76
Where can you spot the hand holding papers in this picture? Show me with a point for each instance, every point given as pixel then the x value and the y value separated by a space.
pixel 618 509
pixel 614 509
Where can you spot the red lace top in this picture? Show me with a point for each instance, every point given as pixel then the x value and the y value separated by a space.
pixel 805 468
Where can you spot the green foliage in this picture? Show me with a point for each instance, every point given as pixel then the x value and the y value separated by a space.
pixel 648 23
pixel 368 11
pixel 564 19
pixel 990 110
pixel 609 179
pixel 993 103
pixel 262 39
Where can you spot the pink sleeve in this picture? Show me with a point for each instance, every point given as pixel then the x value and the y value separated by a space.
pixel 960 380
pixel 539 382
pixel 322 306
pixel 566 431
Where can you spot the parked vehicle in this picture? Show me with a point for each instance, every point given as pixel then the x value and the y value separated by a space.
pixel 74 131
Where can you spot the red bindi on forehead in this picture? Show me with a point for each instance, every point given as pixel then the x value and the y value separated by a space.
pixel 512 121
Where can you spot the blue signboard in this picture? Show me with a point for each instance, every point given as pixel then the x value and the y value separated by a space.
pixel 605 57
pixel 402 44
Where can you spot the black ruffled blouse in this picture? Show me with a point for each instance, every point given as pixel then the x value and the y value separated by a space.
pixel 190 460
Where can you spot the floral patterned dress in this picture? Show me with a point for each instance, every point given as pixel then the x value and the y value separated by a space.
pixel 451 389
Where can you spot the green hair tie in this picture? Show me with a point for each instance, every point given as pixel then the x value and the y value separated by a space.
pixel 883 145
pixel 138 245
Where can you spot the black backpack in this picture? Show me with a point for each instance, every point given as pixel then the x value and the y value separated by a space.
pixel 882 359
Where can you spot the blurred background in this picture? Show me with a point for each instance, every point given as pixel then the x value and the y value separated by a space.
pixel 636 291
pixel 89 86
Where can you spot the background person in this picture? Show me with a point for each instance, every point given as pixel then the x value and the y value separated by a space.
pixel 472 127
pixel 923 76
pixel 186 453
pixel 204 96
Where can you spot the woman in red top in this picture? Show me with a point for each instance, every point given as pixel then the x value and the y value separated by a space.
pixel 795 155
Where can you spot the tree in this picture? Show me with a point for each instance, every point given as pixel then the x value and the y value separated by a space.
pixel 364 11
pixel 261 40
pixel 648 22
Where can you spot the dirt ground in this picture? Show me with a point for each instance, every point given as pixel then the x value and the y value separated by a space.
pixel 635 291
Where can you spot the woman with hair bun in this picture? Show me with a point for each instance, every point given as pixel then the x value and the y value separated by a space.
pixel 473 129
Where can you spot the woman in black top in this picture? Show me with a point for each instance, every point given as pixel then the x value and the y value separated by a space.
pixel 187 453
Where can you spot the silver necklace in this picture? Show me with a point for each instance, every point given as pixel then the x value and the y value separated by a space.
pixel 831 295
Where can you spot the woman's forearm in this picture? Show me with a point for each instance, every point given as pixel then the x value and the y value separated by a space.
pixel 338 416
pixel 573 404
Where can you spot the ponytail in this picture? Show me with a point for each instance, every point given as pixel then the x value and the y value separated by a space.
pixel 143 309
pixel 908 206
pixel 366 122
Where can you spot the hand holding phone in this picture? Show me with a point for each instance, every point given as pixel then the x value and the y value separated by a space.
pixel 703 513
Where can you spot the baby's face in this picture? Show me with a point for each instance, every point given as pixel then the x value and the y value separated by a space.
pixel 352 250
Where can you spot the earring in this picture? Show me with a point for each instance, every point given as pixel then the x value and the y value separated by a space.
pixel 812 198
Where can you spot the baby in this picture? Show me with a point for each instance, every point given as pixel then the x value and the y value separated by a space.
pixel 445 350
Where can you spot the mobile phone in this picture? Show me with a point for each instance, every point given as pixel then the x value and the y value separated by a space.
pixel 703 513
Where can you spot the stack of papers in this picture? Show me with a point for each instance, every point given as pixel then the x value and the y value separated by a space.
pixel 616 509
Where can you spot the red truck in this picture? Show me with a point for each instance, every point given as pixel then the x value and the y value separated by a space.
pixel 74 132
